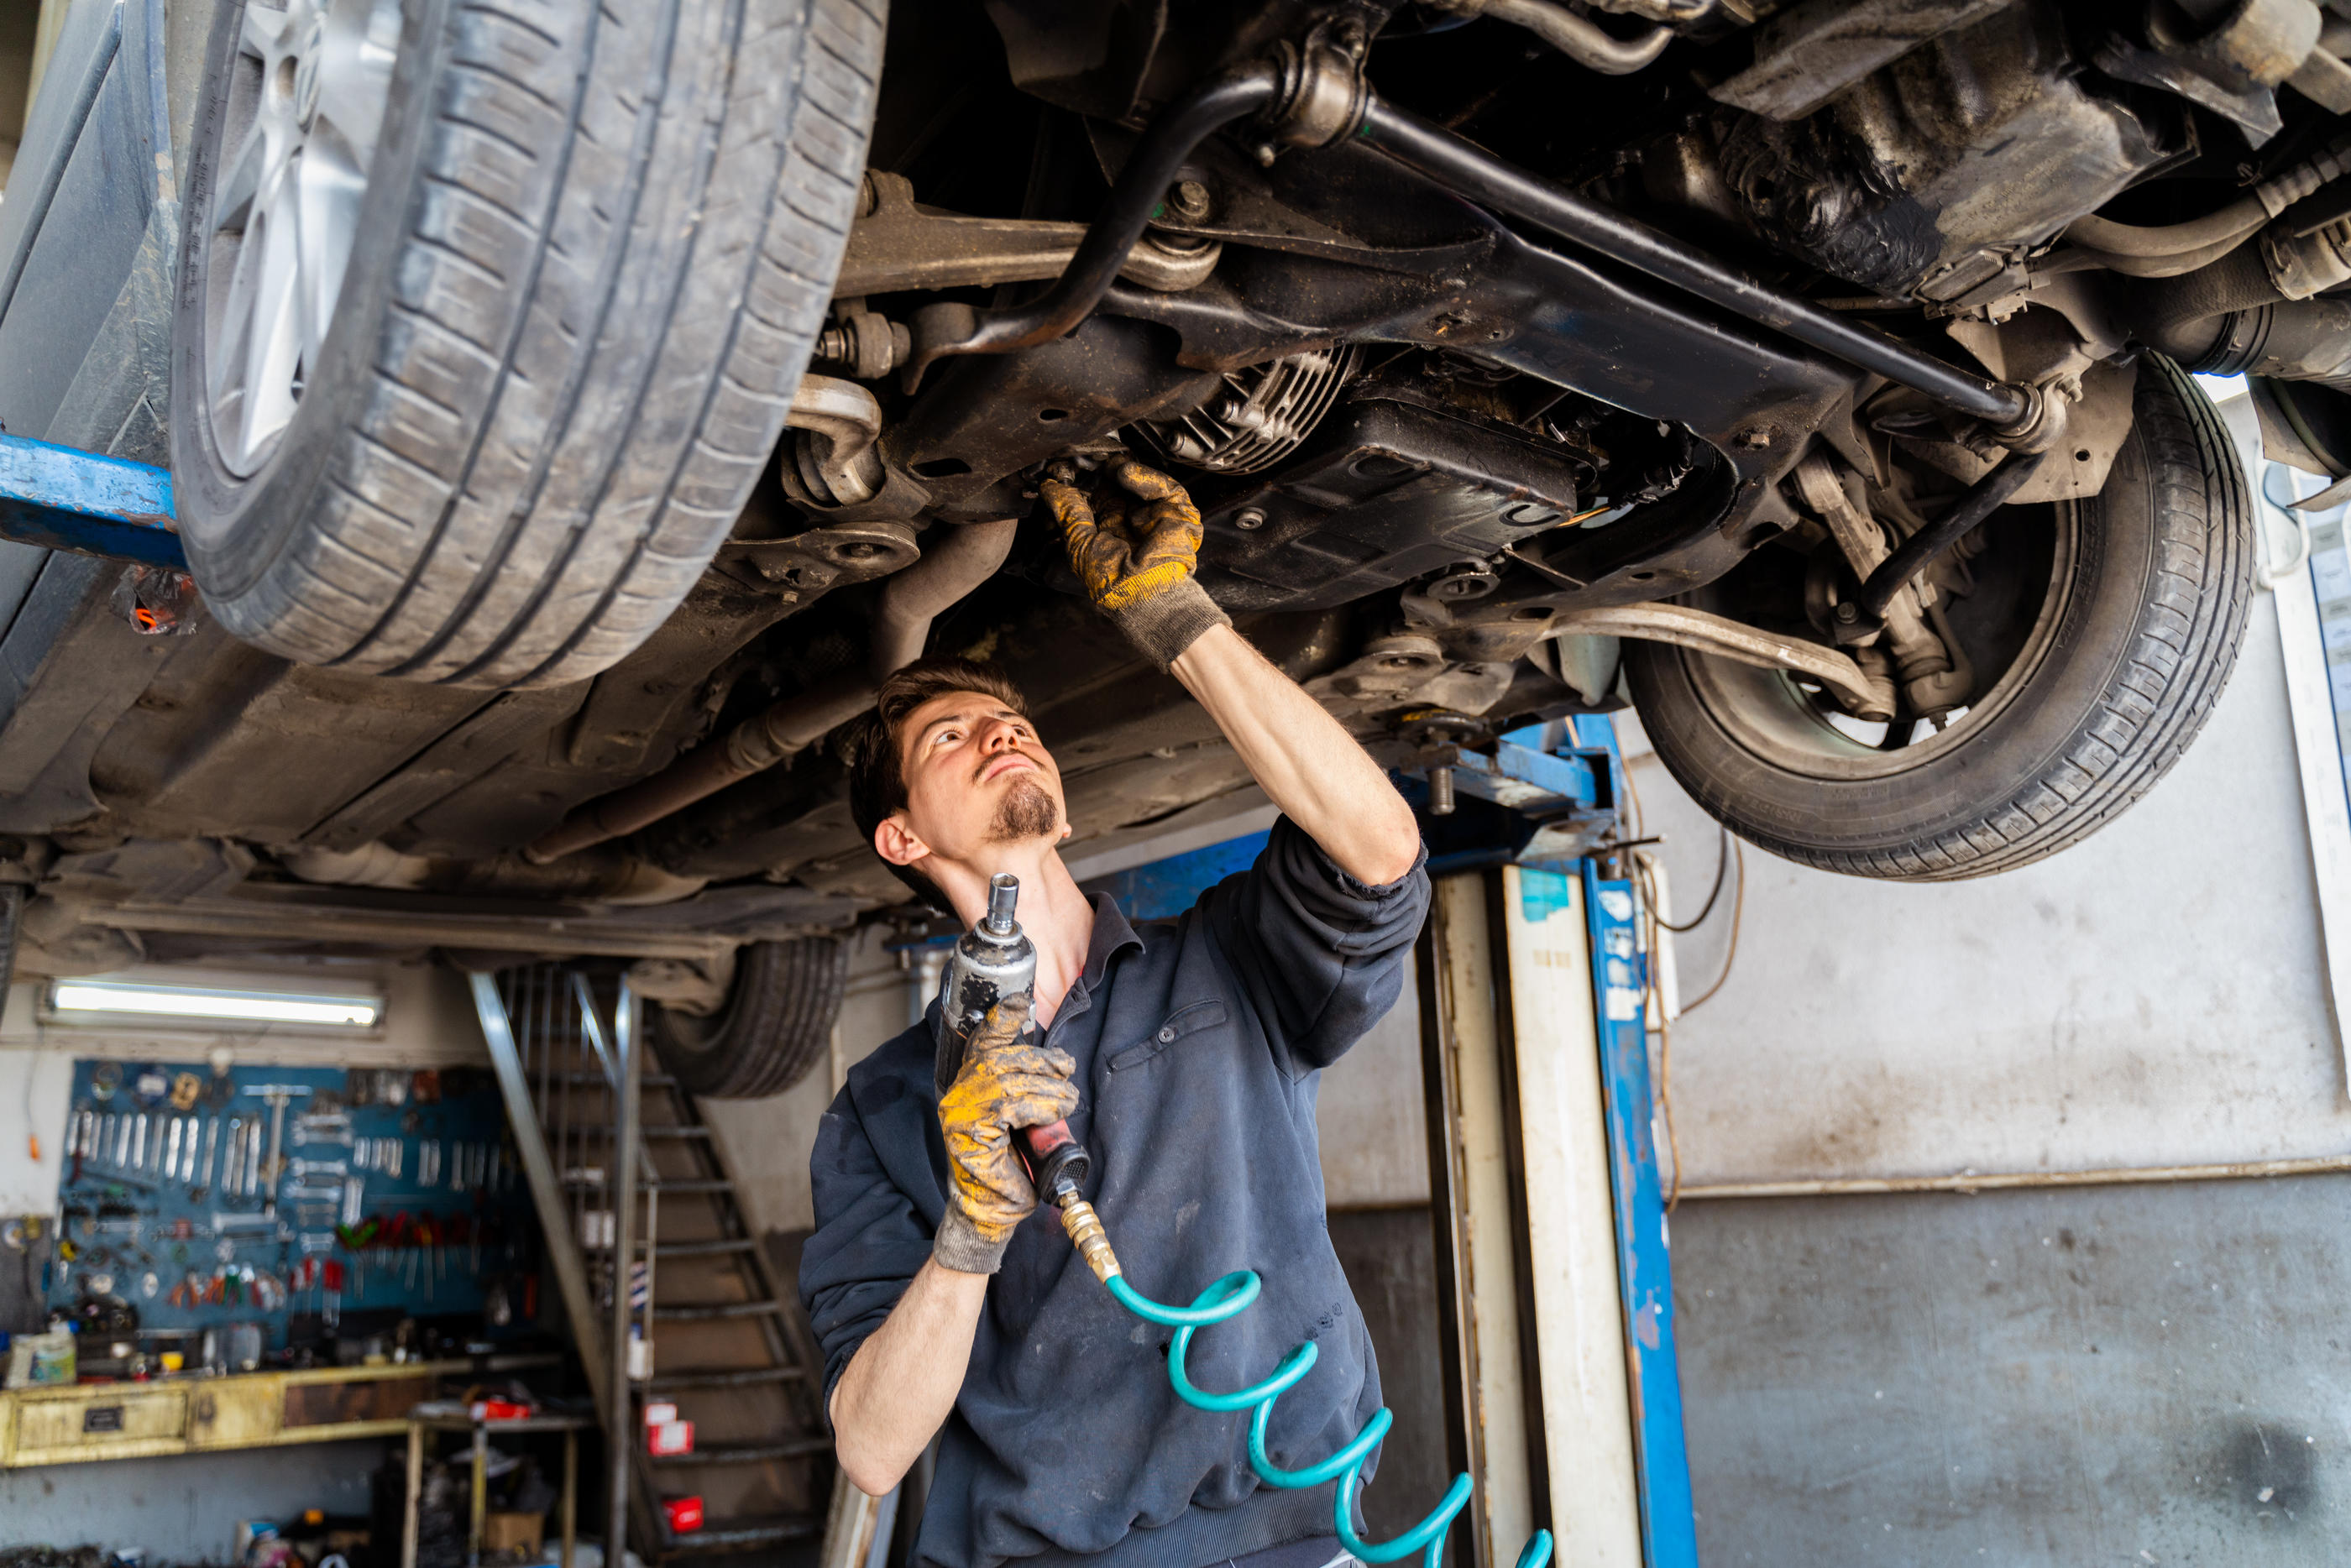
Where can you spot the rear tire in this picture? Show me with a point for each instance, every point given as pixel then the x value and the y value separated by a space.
pixel 2146 607
pixel 595 245
pixel 776 1024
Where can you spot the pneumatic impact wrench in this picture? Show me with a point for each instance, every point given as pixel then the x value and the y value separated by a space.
pixel 989 963
pixel 993 961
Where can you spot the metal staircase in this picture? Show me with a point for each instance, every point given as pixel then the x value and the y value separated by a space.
pixel 718 1335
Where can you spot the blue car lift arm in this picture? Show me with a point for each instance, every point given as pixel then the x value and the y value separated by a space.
pixel 62 499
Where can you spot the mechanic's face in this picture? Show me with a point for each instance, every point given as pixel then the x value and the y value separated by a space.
pixel 976 777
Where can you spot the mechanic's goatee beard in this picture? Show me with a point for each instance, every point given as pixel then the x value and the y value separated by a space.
pixel 1025 812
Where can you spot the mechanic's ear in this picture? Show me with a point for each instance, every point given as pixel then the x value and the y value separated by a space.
pixel 896 842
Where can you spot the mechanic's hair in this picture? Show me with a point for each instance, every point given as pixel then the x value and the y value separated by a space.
pixel 872 746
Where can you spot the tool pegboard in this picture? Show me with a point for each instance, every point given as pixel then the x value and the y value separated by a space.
pixel 198 1198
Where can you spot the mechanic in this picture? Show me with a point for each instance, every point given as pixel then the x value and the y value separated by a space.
pixel 1185 1054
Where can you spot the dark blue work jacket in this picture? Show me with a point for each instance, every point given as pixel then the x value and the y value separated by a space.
pixel 1199 1043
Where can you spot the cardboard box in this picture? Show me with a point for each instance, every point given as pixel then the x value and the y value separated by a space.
pixel 670 1438
pixel 512 1534
pixel 684 1513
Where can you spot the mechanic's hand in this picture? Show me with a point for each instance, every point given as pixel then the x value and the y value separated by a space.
pixel 1007 1082
pixel 1139 568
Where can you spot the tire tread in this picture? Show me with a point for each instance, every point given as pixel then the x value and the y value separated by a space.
pixel 628 218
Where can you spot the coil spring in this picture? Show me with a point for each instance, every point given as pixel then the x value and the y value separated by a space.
pixel 1229 1297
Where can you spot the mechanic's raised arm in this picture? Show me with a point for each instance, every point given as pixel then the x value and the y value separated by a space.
pixel 1305 763
pixel 1139 571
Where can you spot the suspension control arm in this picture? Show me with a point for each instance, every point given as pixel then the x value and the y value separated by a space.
pixel 1719 635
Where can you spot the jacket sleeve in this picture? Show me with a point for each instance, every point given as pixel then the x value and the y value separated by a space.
pixel 1320 954
pixel 869 1240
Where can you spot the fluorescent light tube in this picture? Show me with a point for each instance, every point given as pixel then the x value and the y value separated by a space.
pixel 192 1001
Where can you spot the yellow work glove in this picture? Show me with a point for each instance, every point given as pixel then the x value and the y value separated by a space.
pixel 1007 1082
pixel 1139 567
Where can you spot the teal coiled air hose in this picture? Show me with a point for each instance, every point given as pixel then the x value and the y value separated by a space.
pixel 1229 1297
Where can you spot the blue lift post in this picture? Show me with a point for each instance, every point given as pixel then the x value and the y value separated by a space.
pixel 1645 1272
pixel 1545 799
pixel 63 499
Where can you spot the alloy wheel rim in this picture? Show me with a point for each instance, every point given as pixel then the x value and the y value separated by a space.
pixel 306 104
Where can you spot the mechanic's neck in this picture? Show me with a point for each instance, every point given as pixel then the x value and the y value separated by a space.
pixel 1055 914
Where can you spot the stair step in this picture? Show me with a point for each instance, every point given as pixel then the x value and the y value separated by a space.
pixel 705 1249
pixel 649 1080
pixel 723 1377
pixel 747 1453
pixel 705 1312
pixel 679 1187
pixel 740 1535
pixel 711 1249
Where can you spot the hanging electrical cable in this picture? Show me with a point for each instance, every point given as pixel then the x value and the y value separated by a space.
pixel 1738 912
pixel 1659 1016
pixel 1721 868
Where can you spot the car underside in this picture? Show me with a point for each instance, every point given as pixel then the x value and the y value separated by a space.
pixel 1813 379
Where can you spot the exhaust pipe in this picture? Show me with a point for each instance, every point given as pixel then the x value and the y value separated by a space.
pixel 611 877
pixel 966 557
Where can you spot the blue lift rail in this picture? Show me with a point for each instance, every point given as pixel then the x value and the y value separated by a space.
pixel 63 499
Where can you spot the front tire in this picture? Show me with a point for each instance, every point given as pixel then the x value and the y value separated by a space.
pixel 2141 604
pixel 489 314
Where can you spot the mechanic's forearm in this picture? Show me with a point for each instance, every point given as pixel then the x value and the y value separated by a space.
pixel 1301 756
pixel 896 1391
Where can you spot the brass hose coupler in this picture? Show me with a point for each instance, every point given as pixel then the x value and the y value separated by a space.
pixel 1086 1232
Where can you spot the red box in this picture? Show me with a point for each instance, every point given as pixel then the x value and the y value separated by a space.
pixel 498 1411
pixel 660 1412
pixel 669 1438
pixel 684 1513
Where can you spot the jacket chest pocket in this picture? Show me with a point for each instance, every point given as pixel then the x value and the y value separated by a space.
pixel 1183 1022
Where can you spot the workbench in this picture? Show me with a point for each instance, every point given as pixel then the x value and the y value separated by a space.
pixel 194 1414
